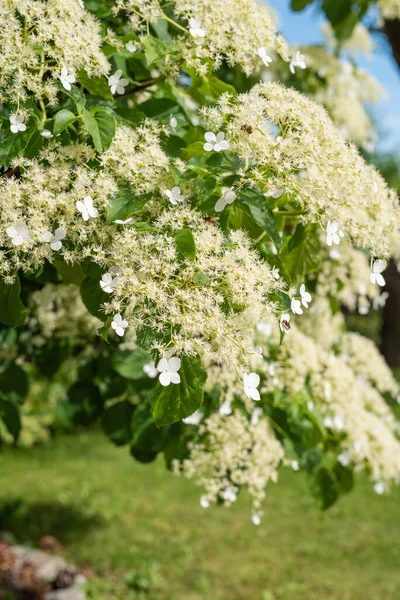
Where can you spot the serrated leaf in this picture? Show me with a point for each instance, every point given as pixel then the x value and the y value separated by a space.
pixel 304 253
pixel 176 401
pixel 101 127
pixel 91 293
pixel 185 245
pixel 12 311
pixel 13 144
pixel 116 422
pixel 155 49
pixel 96 86
pixel 254 204
pixel 130 363
pixel 62 120
pixel 125 203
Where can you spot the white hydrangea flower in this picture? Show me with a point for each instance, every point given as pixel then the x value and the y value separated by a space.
pixel 305 296
pixel 295 465
pixel 335 254
pixel 108 283
pixel 250 383
pixel 256 518
pixel 333 233
pixel 262 53
pixel 46 133
pixel 215 142
pixel 55 240
pixel 228 196
pixel 18 233
pixel 204 502
pixel 174 195
pixel 230 493
pixel 193 419
pixel 258 351
pixel 298 60
pixel 66 79
pixel 379 487
pixel 173 122
pixel 284 323
pixel 225 408
pixel 150 369
pixel 255 415
pixel 122 222
pixel 296 307
pixel 168 369
pixel 344 459
pixel 117 85
pixel 17 123
pixel 131 46
pixel 87 209
pixel 119 325
pixel 275 273
pixel 376 273
pixel 195 28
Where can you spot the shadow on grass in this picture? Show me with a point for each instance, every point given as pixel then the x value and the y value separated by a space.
pixel 29 521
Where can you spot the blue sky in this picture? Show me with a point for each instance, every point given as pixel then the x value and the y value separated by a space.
pixel 304 27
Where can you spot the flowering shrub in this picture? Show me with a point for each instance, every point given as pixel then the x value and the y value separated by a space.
pixel 177 239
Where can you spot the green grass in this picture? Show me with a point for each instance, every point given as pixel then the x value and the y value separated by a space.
pixel 117 516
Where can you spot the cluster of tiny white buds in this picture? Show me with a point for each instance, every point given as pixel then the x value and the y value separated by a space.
pixel 119 325
pixel 108 283
pixel 19 233
pixel 215 143
pixel 117 85
pixel 230 493
pixel 17 123
pixel 228 196
pixel 55 240
pixel 66 79
pixel 333 233
pixel 250 384
pixel 174 195
pixel 262 53
pixel 131 46
pixel 87 209
pixel 168 369
pixel 195 29
pixel 376 276
pixel 298 60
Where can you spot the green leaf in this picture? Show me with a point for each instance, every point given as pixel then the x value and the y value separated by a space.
pixel 303 254
pixel 101 127
pixel 185 245
pixel 12 311
pixel 177 401
pixel 132 115
pixel 324 486
pixel 96 86
pixel 253 202
pixel 70 273
pixel 116 422
pixel 130 363
pixel 85 403
pixel 147 439
pixel 155 49
pixel 125 203
pixel 62 120
pixel 195 149
pixel 13 381
pixel 9 414
pixel 298 5
pixel 13 144
pixel 91 293
pixel 50 356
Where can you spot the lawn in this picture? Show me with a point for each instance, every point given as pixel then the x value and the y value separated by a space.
pixel 119 516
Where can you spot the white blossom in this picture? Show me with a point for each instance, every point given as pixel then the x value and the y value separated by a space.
pixel 258 351
pixel 119 325
pixel 174 195
pixel 193 419
pixel 168 369
pixel 250 383
pixel 122 222
pixel 285 322
pixel 17 123
pixel 46 133
pixel 228 196
pixel 275 273
pixel 296 307
pixel 335 254
pixel 150 369
pixel 195 28
pixel 117 85
pixel 295 465
pixel 225 408
pixel 379 487
pixel 256 518
pixel 230 493
pixel 173 122
pixel 204 502
pixel 298 60
pixel 255 415
pixel 305 296
pixel 87 209
pixel 55 240
pixel 333 233
pixel 215 142
pixel 265 327
pixel 344 459
pixel 262 53
pixel 131 46
pixel 108 283
pixel 310 405
pixel 376 273
pixel 18 233
pixel 66 79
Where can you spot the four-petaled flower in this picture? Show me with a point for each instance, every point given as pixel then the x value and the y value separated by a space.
pixel 46 133
pixel 172 122
pixel 296 307
pixel 195 28
pixel 298 60
pixel 150 369
pixel 174 195
pixel 333 233
pixel 228 196
pixel 131 46
pixel 17 123
pixel 119 325
pixel 275 273
pixel 122 222
pixel 168 369
pixel 376 273
pixel 117 85
pixel 256 518
pixel 19 233
pixel 379 487
pixel 215 142
pixel 87 209
pixel 108 283
pixel 251 383
pixel 295 465
pixel 262 53
pixel 285 322
pixel 66 79
pixel 305 296
pixel 54 240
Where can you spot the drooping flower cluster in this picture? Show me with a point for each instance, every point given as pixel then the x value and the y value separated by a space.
pixel 389 9
pixel 42 41
pixel 294 147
